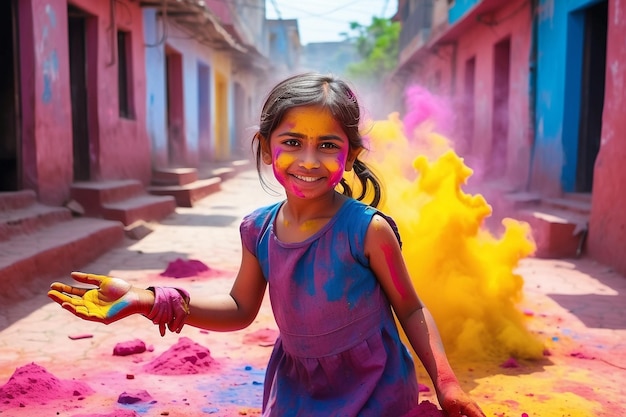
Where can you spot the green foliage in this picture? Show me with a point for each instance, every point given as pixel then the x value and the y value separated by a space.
pixel 377 44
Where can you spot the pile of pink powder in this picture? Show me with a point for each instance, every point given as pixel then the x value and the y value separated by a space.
pixel 34 385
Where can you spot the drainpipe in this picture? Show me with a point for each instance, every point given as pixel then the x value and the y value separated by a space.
pixel 113 32
pixel 532 86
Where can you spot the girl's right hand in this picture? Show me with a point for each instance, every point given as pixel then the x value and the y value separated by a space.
pixel 112 300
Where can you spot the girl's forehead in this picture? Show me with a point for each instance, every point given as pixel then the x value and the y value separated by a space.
pixel 309 117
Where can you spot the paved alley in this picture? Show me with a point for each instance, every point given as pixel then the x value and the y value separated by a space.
pixel 575 305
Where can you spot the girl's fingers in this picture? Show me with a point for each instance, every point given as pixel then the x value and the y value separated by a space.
pixel 63 298
pixel 68 289
pixel 91 279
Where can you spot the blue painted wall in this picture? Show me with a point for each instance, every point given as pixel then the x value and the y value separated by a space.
pixel 156 115
pixel 459 9
pixel 559 57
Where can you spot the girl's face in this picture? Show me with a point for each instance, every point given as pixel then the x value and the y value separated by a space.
pixel 309 152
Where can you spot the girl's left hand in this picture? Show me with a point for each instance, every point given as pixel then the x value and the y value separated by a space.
pixel 456 403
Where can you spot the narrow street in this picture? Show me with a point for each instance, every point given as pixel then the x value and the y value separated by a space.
pixel 68 367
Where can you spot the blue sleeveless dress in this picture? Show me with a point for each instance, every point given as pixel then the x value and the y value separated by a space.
pixel 339 352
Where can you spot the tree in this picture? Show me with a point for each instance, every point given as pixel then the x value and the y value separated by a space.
pixel 377 44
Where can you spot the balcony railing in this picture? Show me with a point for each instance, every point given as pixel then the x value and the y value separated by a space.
pixel 419 22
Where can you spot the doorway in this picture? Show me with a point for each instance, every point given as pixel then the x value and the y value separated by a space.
pixel 175 107
pixel 10 138
pixel 204 112
pixel 77 21
pixel 500 111
pixel 592 94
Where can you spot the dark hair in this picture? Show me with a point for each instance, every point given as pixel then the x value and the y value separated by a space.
pixel 329 92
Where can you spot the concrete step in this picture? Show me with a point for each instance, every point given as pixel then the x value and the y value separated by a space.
pixel 125 201
pixel 29 219
pixel 141 207
pixel 174 176
pixel 558 233
pixel 93 195
pixel 186 195
pixel 577 204
pixel 16 199
pixel 53 250
pixel 225 170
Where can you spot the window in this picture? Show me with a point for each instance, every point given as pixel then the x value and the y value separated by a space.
pixel 124 75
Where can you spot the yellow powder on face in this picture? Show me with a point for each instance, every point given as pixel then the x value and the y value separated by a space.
pixel 332 166
pixel 284 160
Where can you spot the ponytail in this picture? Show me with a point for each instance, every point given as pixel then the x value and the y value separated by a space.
pixel 367 179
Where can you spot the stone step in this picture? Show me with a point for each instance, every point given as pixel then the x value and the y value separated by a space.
pixel 52 251
pixel 174 176
pixel 558 233
pixel 577 204
pixel 93 195
pixel 125 201
pixel 29 219
pixel 16 199
pixel 141 207
pixel 188 194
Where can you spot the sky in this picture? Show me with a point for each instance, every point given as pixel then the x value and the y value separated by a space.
pixel 324 20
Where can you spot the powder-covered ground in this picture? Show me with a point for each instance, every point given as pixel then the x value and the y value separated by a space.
pixel 53 364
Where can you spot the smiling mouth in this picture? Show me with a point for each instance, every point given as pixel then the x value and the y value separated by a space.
pixel 307 179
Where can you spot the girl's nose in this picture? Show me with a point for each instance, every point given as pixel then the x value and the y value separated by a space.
pixel 309 159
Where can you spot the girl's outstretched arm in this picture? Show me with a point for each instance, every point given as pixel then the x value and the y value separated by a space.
pixel 113 299
pixel 383 251
pixel 237 309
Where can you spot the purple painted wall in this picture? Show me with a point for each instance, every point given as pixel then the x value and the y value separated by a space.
pixel 607 228
pixel 119 147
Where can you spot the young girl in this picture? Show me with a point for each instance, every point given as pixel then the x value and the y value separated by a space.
pixel 333 267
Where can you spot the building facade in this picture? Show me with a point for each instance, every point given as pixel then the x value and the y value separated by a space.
pixel 537 87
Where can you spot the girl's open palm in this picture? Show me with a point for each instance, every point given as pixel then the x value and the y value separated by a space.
pixel 112 300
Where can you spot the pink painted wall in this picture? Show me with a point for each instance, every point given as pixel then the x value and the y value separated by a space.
pixel 124 146
pixel 46 109
pixel 120 148
pixel 607 228
pixel 477 40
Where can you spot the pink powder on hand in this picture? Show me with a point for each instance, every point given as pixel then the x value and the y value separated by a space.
pixel 33 385
pixel 184 358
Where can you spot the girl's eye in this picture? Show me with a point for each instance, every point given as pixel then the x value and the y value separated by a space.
pixel 291 142
pixel 329 145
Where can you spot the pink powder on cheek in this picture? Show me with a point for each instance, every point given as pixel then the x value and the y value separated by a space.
pixel 336 169
pixel 395 274
pixel 279 165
